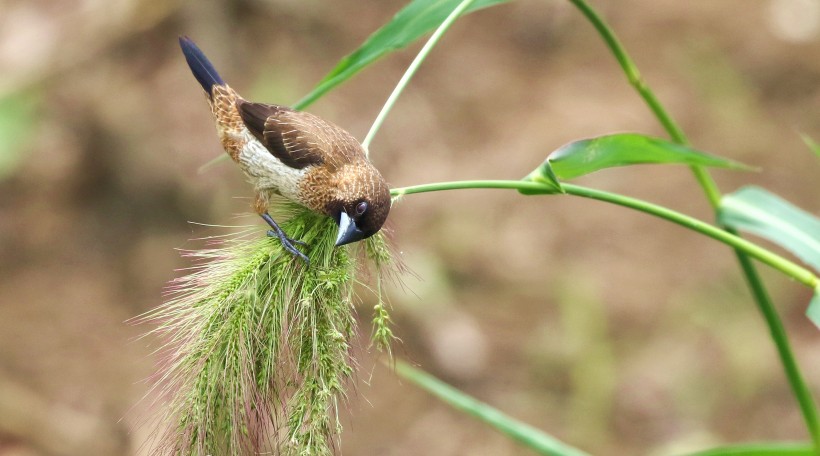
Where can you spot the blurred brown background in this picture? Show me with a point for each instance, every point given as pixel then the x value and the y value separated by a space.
pixel 614 331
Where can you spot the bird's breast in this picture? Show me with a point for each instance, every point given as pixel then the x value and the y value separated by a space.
pixel 266 172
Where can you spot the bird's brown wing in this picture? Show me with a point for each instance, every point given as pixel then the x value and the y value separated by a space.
pixel 291 136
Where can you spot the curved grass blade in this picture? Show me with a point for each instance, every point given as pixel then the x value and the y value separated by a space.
pixel 757 211
pixel 760 449
pixel 589 155
pixel 512 428
pixel 413 21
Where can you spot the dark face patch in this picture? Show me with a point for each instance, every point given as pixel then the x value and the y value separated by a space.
pixel 369 211
pixel 370 214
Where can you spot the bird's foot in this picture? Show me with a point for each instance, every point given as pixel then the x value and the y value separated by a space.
pixel 291 240
pixel 287 244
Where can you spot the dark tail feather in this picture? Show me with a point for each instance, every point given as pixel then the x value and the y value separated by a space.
pixel 203 70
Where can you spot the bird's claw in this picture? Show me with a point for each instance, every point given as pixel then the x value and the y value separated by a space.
pixel 297 241
pixel 288 242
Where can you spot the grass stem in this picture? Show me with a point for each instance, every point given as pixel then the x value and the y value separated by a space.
pixel 411 71
pixel 707 183
pixel 783 265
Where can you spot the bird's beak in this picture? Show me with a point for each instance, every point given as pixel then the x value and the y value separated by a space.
pixel 348 231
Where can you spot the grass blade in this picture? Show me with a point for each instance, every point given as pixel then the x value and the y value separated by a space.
pixel 765 214
pixel 413 21
pixel 516 430
pixel 589 155
pixel 411 70
pixel 813 312
pixel 760 449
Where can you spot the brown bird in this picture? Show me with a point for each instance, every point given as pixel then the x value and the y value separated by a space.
pixel 296 155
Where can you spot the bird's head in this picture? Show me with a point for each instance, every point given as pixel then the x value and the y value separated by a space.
pixel 361 205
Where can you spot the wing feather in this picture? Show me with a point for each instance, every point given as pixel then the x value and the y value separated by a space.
pixel 285 133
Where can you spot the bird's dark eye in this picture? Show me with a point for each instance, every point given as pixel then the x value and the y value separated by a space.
pixel 361 208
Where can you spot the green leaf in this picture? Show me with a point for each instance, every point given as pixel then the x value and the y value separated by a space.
pixel 813 311
pixel 523 433
pixel 760 449
pixel 589 155
pixel 413 21
pixel 757 211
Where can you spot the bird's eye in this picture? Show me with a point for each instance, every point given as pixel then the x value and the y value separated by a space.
pixel 361 208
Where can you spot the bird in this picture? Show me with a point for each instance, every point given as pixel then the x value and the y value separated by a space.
pixel 297 155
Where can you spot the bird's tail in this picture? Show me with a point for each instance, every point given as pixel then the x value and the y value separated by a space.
pixel 203 70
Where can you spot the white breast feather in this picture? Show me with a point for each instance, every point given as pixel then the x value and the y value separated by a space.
pixel 267 172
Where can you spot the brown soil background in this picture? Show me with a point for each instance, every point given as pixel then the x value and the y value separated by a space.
pixel 614 331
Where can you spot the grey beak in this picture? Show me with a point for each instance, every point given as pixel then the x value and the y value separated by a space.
pixel 348 231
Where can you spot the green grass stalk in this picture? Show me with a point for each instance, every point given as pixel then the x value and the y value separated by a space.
pixel 759 449
pixel 783 265
pixel 521 432
pixel 761 296
pixel 411 71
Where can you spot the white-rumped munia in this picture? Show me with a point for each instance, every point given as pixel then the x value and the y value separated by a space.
pixel 297 155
